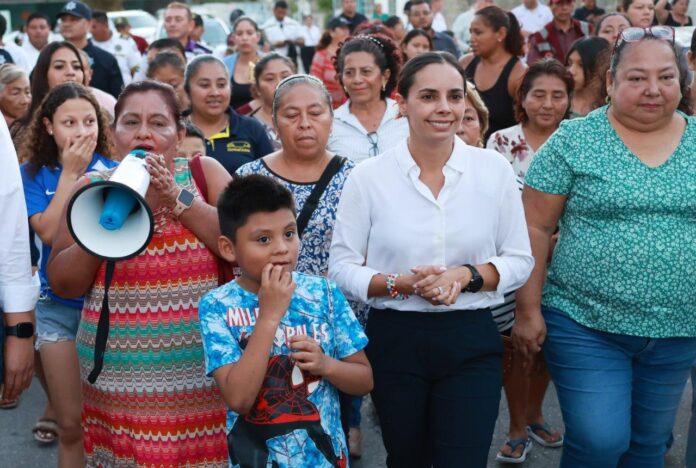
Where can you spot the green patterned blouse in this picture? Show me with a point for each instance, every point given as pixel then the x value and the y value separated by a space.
pixel 626 259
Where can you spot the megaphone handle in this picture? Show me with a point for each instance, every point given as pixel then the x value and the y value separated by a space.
pixel 102 325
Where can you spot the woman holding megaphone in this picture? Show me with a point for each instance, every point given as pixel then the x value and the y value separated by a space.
pixel 146 399
pixel 67 137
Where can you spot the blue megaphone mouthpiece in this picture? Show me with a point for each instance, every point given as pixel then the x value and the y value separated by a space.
pixel 119 203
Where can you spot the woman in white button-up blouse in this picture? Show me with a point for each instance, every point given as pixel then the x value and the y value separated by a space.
pixel 430 234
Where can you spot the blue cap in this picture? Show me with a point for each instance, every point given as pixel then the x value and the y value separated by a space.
pixel 77 9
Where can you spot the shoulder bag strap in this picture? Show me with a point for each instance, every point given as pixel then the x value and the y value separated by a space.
pixel 102 325
pixel 199 177
pixel 313 200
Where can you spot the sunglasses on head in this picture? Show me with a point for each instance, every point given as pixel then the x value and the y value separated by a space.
pixel 663 33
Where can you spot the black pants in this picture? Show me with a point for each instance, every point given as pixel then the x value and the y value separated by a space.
pixel 437 385
pixel 307 54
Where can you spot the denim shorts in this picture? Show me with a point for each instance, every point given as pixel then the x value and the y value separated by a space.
pixel 55 321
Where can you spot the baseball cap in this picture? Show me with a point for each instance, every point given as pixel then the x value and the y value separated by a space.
pixel 338 22
pixel 77 9
pixel 121 21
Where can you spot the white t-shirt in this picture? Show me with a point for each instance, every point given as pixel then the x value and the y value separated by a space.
pixel 534 20
pixel 311 35
pixel 285 30
pixel 126 52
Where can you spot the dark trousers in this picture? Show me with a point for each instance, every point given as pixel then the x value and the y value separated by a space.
pixel 307 54
pixel 437 385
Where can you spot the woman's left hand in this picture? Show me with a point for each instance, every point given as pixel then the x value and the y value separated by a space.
pixel 162 184
pixel 440 286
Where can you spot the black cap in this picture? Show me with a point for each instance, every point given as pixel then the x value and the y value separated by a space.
pixel 338 22
pixel 77 9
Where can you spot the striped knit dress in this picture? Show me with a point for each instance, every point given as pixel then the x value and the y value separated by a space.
pixel 152 404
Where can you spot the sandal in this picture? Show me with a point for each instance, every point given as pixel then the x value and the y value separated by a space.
pixel 513 444
pixel 546 429
pixel 45 431
pixel 9 404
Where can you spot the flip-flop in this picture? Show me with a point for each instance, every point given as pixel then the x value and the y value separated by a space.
pixel 45 431
pixel 9 404
pixel 513 444
pixel 531 430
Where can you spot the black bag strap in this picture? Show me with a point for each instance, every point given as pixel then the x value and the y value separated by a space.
pixel 313 199
pixel 102 325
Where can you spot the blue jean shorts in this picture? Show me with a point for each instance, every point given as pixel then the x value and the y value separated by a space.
pixel 55 321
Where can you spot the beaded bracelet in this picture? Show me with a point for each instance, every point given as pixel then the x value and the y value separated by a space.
pixel 391 288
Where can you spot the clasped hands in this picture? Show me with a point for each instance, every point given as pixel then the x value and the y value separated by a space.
pixel 436 284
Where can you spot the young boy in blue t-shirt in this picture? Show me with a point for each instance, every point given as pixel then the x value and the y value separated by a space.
pixel 278 343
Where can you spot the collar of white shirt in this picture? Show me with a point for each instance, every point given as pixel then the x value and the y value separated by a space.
pixel 344 114
pixel 457 160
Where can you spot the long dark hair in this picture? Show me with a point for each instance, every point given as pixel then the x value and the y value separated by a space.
pixel 497 18
pixel 412 34
pixel 39 81
pixel 416 64
pixel 41 149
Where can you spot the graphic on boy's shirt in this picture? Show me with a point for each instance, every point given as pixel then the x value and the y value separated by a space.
pixel 282 406
pixel 246 317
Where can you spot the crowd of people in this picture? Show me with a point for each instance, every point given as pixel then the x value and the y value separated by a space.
pixel 429 216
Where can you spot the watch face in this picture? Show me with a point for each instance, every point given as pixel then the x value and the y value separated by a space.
pixel 25 330
pixel 186 197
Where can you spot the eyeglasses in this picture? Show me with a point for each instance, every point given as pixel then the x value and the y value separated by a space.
pixel 663 33
pixel 372 138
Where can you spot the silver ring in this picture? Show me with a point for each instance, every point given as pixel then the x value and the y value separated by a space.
pixel 440 290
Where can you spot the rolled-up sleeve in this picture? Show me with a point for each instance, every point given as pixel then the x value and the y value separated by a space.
pixel 514 260
pixel 18 288
pixel 349 244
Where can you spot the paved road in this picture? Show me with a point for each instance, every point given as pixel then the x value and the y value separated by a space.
pixel 18 448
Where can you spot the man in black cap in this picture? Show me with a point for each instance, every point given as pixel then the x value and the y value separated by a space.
pixel 75 23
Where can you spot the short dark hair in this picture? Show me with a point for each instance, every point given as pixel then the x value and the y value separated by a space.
pixel 3 25
pixel 167 43
pixel 193 131
pixel 412 34
pixel 268 58
pixel 245 196
pixel 165 91
pixel 392 21
pixel 38 15
pixel 197 19
pixel 100 17
pixel 548 67
pixel 281 4
pixel 419 62
pixel 165 59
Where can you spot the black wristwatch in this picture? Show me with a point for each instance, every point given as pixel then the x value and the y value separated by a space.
pixel 476 282
pixel 21 330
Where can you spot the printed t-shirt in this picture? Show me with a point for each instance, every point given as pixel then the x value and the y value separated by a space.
pixel 38 193
pixel 242 141
pixel 295 421
pixel 624 262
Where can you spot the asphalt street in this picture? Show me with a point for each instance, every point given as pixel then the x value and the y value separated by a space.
pixel 19 449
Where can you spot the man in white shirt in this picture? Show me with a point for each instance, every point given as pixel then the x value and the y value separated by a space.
pixel 284 34
pixel 123 48
pixel 532 16
pixel 19 290
pixel 439 23
pixel 38 35
pixel 17 55
pixel 462 23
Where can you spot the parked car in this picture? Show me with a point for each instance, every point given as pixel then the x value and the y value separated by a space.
pixel 142 23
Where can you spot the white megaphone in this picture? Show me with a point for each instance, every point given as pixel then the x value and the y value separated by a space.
pixel 110 218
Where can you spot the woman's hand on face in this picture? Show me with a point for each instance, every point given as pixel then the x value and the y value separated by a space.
pixel 441 285
pixel 162 185
pixel 78 154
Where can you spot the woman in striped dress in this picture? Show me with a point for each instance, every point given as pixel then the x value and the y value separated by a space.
pixel 151 405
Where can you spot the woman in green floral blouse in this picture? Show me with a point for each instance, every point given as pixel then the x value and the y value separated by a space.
pixel 616 317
